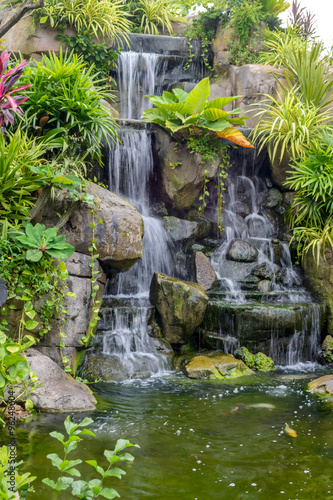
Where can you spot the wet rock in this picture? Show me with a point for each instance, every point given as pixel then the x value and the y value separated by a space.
pixel 263 363
pixel 265 286
pixel 327 349
pixel 181 174
pixel 180 304
pixel 59 391
pixel 242 251
pixel 274 198
pixel 277 249
pixel 118 239
pixel 217 367
pixel 322 385
pixel 205 274
pixel 245 355
pixel 241 208
pixel 265 271
pixel 180 229
pixel 3 292
pixel 105 368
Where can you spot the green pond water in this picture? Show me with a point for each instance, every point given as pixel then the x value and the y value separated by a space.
pixel 192 447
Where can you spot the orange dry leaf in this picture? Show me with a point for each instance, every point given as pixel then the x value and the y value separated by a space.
pixel 236 136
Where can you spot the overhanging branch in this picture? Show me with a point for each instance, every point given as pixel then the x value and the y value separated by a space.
pixel 19 14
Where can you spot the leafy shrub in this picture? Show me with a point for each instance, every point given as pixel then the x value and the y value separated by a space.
pixel 100 17
pixel 245 20
pixel 68 96
pixel 155 15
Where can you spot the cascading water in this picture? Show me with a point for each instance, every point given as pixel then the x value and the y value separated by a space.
pixel 266 294
pixel 124 327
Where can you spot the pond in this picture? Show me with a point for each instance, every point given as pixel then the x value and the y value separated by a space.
pixel 202 439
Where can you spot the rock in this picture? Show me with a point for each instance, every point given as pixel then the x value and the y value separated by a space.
pixel 322 385
pixel 181 306
pixel 59 391
pixel 265 286
pixel 105 368
pixel 181 173
pixel 277 249
pixel 240 208
pixel 242 251
pixel 327 349
pixel 119 238
pixel 245 355
pixel 274 198
pixel 265 271
pixel 3 292
pixel 180 229
pixel 319 279
pixel 205 274
pixel 263 363
pixel 219 367
pixel 279 170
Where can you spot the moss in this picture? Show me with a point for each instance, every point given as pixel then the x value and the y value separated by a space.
pixel 263 362
pixel 244 354
pixel 327 349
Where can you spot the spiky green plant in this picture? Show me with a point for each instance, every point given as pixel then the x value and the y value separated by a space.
pixel 158 14
pixel 277 44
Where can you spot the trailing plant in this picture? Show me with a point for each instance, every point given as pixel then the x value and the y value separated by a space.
pixel 93 54
pixel 93 488
pixel 10 100
pixel 99 17
pixel 245 20
pixel 69 97
pixel 311 213
pixel 243 54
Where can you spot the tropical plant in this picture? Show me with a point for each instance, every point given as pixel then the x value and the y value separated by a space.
pixel 277 44
pixel 245 20
pixel 157 15
pixel 184 114
pixel 311 213
pixel 302 20
pixel 100 17
pixel 10 103
pixel 69 97
pixel 274 6
pixel 80 488
pixel 41 241
pixel 288 125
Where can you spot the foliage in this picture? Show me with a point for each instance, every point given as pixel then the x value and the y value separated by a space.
pixel 100 17
pixel 277 44
pixel 22 482
pixel 10 103
pixel 311 214
pixel 183 114
pixel 288 125
pixel 243 54
pixel 274 6
pixel 245 20
pixel 44 242
pixel 302 20
pixel 68 96
pixel 155 15
pixel 81 488
pixel 205 25
pixel 93 54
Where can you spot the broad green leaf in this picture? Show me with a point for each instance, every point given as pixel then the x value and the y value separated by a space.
pixel 181 94
pixel 31 325
pixel 220 102
pixel 34 255
pixel 197 98
pixel 213 114
pixel 109 493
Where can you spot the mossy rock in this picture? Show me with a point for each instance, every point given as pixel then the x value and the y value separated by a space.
pixel 322 385
pixel 327 349
pixel 245 355
pixel 217 367
pixel 263 363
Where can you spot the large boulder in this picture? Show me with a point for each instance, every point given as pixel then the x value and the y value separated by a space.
pixel 181 229
pixel 180 304
pixel 322 385
pixel 217 367
pixel 204 272
pixel 242 251
pixel 59 391
pixel 118 239
pixel 181 174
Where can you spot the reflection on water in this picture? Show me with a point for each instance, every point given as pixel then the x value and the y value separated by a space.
pixel 194 445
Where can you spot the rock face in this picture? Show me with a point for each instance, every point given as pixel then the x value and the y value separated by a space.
pixel 217 367
pixel 242 251
pixel 320 281
pixel 181 173
pixel 119 238
pixel 181 230
pixel 79 311
pixel 180 304
pixel 59 391
pixel 205 274
pixel 327 349
pixel 322 385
